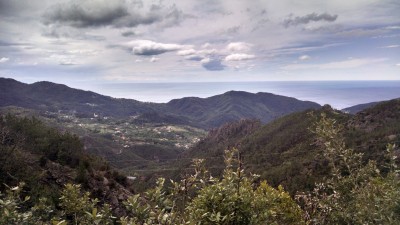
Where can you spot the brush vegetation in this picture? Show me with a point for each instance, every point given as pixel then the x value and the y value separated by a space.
pixel 355 192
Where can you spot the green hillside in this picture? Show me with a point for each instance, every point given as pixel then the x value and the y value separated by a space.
pixel 351 192
pixel 285 152
pixel 47 159
pixel 235 105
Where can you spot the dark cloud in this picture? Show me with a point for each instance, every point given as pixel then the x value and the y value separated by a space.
pixel 312 17
pixel 16 8
pixel 213 64
pixel 67 64
pixel 233 30
pixel 128 34
pixel 69 32
pixel 6 6
pixel 5 43
pixel 116 13
pixel 173 17
pixel 86 14
pixel 194 57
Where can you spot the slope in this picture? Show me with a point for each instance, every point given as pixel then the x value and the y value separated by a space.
pixel 285 152
pixel 358 108
pixel 47 159
pixel 54 97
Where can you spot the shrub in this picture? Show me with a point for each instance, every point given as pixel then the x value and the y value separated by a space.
pixel 356 193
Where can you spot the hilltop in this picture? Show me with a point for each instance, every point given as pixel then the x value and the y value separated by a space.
pixel 235 105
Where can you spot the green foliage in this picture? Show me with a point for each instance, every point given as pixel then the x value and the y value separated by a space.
pixel 10 206
pixel 33 135
pixel 46 158
pixel 282 152
pixel 79 208
pixel 235 200
pixel 197 199
pixel 356 193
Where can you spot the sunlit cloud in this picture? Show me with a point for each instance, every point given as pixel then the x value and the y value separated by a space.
pixel 4 59
pixel 304 57
pixel 391 46
pixel 147 47
pixel 239 57
pixel 239 46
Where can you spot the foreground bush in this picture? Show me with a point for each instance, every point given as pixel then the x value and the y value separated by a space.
pixel 197 199
pixel 235 200
pixel 355 193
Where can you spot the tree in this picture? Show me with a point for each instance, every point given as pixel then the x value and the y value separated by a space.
pixel 356 193
pixel 235 199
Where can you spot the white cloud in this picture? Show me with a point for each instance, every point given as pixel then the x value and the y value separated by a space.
pixel 206 45
pixel 68 63
pixel 63 59
pixel 304 57
pixel 346 64
pixel 154 59
pixel 239 57
pixel 398 64
pixel 4 59
pixel 391 46
pixel 147 47
pixel 186 52
pixel 239 46
pixel 208 51
pixel 193 55
pixel 393 27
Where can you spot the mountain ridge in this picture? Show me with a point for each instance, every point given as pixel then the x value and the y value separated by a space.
pixel 201 112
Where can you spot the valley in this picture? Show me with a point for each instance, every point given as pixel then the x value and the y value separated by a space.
pixel 127 144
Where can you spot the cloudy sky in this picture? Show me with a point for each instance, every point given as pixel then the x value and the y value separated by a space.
pixel 104 41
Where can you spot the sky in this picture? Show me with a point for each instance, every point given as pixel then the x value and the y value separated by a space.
pixel 121 41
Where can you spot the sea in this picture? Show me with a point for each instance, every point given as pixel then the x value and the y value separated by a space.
pixel 338 94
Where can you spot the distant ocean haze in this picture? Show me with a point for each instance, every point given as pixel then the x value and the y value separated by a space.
pixel 339 94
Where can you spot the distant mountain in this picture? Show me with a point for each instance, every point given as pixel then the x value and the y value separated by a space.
pixel 357 108
pixel 53 97
pixel 202 112
pixel 235 105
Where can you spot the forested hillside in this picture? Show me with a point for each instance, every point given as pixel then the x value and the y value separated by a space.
pixel 352 191
pixel 286 152
pixel 46 159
